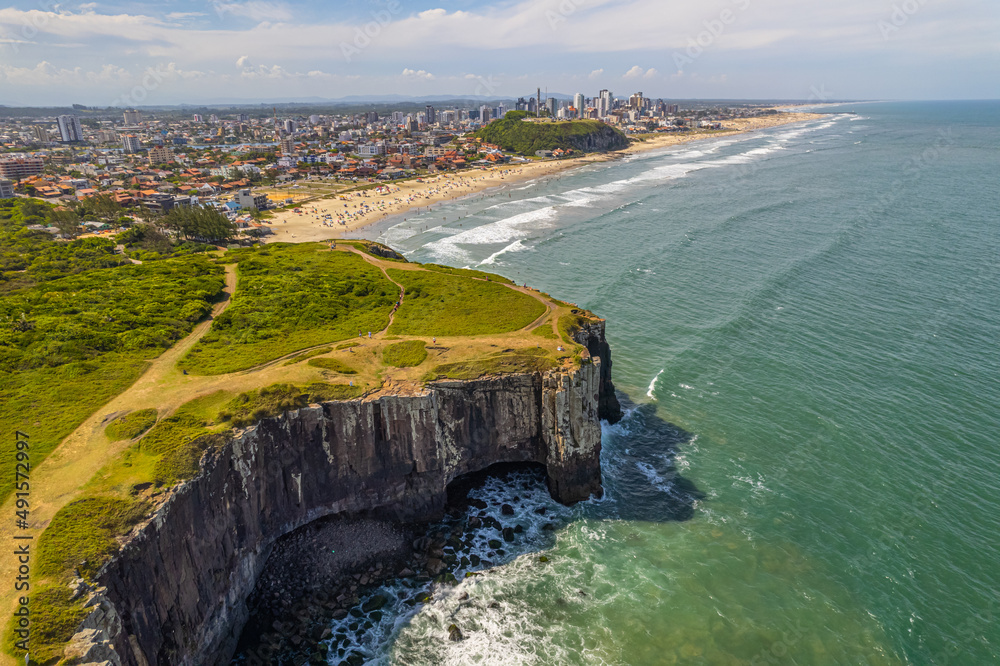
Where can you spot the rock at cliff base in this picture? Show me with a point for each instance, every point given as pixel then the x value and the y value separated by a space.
pixel 374 604
pixel 508 534
pixel 455 634
pixel 507 510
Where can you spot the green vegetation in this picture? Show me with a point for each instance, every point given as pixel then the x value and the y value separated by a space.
pixel 70 345
pixel 291 297
pixel 28 257
pixel 405 354
pixel 348 345
pixel 334 364
pixel 569 325
pixel 54 619
pixel 509 362
pixel 440 304
pixel 545 331
pixel 204 224
pixel 250 407
pixel 131 425
pixel 298 358
pixel 82 535
pixel 147 243
pixel 466 272
pixel 516 135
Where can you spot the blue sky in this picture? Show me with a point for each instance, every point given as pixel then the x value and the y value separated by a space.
pixel 168 52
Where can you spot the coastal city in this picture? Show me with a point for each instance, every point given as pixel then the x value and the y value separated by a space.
pixel 244 163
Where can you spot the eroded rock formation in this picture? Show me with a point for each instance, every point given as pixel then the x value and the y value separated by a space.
pixel 176 593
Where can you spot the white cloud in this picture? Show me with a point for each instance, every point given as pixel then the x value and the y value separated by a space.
pixel 651 74
pixel 596 74
pixel 635 72
pixel 255 10
pixel 242 62
pixel 418 74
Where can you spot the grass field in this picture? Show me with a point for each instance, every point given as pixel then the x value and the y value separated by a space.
pixel 438 304
pixel 291 297
pixel 76 342
pixel 405 354
pixel 130 425
pixel 526 360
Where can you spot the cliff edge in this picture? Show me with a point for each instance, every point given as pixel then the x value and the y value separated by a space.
pixel 176 592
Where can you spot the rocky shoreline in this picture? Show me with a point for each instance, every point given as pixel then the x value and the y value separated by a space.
pixel 307 609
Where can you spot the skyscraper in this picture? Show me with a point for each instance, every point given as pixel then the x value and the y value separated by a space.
pixel 69 129
pixel 579 101
pixel 132 117
pixel 431 115
pixel 551 104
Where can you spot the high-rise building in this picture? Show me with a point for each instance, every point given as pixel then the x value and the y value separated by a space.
pixel 242 118
pixel 40 133
pixel 198 118
pixel 580 102
pixel 485 115
pixel 431 115
pixel 107 136
pixel 131 143
pixel 132 117
pixel 6 189
pixel 69 129
pixel 290 126
pixel 288 145
pixel 314 120
pixel 552 105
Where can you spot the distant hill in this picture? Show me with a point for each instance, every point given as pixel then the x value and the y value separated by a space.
pixel 588 136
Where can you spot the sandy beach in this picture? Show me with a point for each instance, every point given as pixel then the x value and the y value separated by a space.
pixel 340 214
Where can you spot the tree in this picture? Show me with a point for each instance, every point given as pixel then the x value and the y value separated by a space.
pixel 66 221
pixel 200 223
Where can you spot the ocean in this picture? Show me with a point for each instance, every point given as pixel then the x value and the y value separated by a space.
pixel 804 323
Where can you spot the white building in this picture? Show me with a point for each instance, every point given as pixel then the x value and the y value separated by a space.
pixel 131 143
pixel 6 189
pixel 371 149
pixel 580 103
pixel 132 117
pixel 69 129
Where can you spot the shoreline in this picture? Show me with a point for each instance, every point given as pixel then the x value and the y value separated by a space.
pixel 346 215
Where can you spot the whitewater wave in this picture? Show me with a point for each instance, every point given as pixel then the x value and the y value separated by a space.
pixel 503 231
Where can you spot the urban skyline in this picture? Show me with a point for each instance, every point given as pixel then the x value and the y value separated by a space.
pixel 130 54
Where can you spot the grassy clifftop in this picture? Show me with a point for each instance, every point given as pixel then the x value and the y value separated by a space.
pixel 526 138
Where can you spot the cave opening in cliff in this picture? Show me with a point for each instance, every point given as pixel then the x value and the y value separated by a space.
pixel 461 486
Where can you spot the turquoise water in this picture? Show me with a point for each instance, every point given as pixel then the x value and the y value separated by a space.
pixel 806 322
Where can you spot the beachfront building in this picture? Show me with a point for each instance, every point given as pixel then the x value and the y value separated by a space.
pixel 247 200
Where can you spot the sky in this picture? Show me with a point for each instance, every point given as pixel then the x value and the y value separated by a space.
pixel 160 52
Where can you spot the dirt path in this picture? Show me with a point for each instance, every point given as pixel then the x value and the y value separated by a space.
pixel 57 480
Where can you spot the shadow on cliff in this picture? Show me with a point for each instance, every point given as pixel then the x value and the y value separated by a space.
pixel 641 480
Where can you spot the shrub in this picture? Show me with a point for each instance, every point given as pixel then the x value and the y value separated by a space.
pixel 333 364
pixel 131 425
pixel 405 354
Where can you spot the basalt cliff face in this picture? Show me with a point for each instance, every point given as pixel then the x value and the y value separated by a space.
pixel 176 592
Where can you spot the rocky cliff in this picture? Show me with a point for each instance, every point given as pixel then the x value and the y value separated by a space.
pixel 176 592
